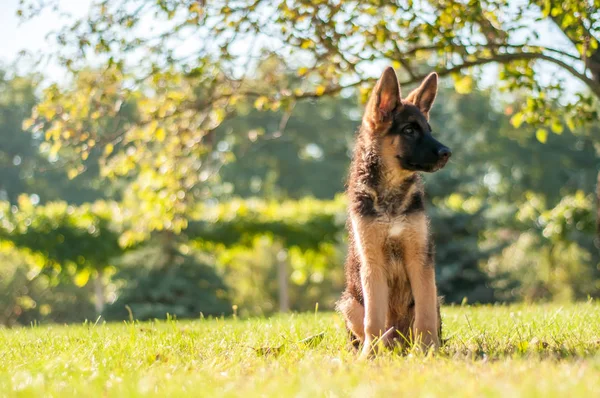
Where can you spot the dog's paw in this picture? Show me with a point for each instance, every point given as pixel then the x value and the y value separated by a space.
pixel 425 334
pixel 367 351
pixel 426 341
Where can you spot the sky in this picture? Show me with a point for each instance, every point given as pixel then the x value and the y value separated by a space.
pixel 31 35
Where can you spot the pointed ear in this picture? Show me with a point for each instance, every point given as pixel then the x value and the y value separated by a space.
pixel 424 95
pixel 385 98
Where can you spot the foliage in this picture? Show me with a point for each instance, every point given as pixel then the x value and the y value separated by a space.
pixel 83 238
pixel 25 164
pixel 306 234
pixel 161 281
pixel 89 119
pixel 29 294
pixel 329 43
pixel 306 224
pixel 17 156
pixel 309 231
pixel 556 257
pixel 251 273
pixel 314 275
pixel 168 152
pixel 520 350
pixel 459 275
pixel 290 154
pixel 249 237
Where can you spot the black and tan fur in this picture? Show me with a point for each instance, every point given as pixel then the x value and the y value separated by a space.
pixel 390 274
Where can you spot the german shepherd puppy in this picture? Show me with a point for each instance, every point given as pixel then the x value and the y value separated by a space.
pixel 390 274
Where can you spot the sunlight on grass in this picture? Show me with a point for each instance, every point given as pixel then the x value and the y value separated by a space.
pixel 545 350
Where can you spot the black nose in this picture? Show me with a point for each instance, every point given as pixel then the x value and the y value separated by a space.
pixel 444 153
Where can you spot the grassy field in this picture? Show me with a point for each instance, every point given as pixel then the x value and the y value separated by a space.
pixel 499 351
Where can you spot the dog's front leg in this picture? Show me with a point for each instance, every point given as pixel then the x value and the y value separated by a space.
pixel 421 274
pixel 375 292
pixel 422 281
pixel 369 240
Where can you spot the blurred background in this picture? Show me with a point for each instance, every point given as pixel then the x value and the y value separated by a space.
pixel 187 158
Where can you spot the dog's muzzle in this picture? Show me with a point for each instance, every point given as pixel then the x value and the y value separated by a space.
pixel 443 154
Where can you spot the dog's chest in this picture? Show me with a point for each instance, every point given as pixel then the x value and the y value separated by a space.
pixel 395 230
pixel 402 235
pixel 396 227
pixel 395 266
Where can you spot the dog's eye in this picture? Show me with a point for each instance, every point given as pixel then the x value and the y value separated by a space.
pixel 409 130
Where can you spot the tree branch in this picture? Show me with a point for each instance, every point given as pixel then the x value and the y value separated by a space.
pixel 498 58
pixel 503 58
pixel 520 47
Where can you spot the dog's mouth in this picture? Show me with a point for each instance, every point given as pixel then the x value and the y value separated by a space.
pixel 428 168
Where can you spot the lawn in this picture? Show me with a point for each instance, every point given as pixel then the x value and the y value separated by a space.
pixel 497 351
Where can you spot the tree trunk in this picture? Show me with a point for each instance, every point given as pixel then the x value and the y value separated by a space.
pixel 168 247
pixel 99 293
pixel 282 278
pixel 597 240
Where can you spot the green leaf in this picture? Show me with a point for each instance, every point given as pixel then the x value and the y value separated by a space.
pixel 557 126
pixel 546 9
pixel 570 123
pixel 541 135
pixel 306 44
pixel 265 351
pixel 517 120
pixel 260 102
pixel 195 8
pixel 108 149
pixel 28 123
pixel 82 278
pixel 72 173
pixel 314 340
pixel 160 134
pixel 463 84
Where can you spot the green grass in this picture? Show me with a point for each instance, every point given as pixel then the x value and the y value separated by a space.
pixel 499 351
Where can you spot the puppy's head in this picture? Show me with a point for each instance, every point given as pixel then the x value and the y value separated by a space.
pixel 401 127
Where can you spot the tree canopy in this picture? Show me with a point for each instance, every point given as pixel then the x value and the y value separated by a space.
pixel 169 73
